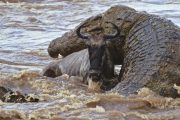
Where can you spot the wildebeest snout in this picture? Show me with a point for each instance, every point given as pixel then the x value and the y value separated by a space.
pixel 95 75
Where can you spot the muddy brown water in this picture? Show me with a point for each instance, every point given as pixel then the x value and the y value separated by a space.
pixel 26 28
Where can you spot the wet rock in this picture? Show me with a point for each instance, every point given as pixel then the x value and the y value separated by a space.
pixel 3 91
pixel 16 97
pixel 7 95
pixel 31 99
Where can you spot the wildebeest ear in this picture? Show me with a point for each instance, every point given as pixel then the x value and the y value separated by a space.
pixel 78 32
pixel 112 35
pixel 87 23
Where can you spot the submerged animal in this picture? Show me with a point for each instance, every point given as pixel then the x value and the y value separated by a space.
pixel 147 47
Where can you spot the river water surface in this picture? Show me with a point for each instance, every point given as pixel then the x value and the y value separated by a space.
pixel 26 29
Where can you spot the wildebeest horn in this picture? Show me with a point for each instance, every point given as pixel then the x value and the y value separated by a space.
pixel 78 32
pixel 115 35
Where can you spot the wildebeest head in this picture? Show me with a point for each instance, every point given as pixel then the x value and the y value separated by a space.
pixel 99 56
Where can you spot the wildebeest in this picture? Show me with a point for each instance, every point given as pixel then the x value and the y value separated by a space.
pixel 101 63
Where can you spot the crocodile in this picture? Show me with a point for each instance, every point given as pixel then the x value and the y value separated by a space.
pixel 148 48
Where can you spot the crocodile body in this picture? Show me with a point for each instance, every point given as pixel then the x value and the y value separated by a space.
pixel 148 49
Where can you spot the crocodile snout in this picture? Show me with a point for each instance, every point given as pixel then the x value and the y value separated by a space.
pixel 52 51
